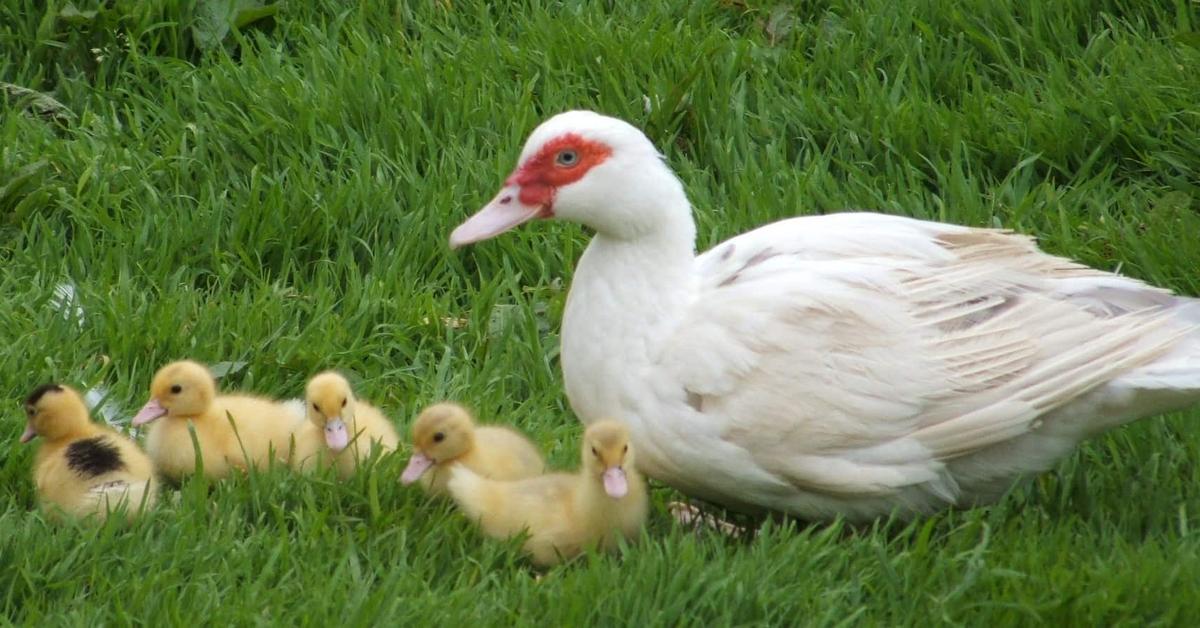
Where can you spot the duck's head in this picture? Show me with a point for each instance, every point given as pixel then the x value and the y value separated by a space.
pixel 179 389
pixel 53 411
pixel 607 456
pixel 587 168
pixel 330 403
pixel 443 432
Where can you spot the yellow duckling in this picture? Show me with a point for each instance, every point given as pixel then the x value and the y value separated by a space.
pixel 185 393
pixel 563 513
pixel 82 468
pixel 445 434
pixel 350 426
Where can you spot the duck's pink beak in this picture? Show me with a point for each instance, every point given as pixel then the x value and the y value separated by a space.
pixel 149 412
pixel 336 434
pixel 503 213
pixel 417 466
pixel 28 434
pixel 615 482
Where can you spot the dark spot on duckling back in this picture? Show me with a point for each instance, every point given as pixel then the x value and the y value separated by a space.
pixel 40 392
pixel 93 456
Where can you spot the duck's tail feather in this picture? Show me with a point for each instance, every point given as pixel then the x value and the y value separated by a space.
pixel 1173 381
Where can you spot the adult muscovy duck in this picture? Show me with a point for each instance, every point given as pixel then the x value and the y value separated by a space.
pixel 851 364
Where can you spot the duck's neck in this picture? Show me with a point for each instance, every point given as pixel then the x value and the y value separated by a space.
pixel 627 294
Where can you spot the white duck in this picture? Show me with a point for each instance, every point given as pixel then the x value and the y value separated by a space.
pixel 849 364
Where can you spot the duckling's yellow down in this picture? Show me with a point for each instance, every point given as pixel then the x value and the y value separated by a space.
pixel 81 468
pixel 564 514
pixel 445 435
pixel 184 394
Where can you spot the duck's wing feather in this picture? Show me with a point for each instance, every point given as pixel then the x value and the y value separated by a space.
pixel 859 353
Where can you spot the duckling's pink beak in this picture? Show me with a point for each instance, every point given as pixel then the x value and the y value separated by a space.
pixel 417 466
pixel 28 434
pixel 336 435
pixel 149 412
pixel 615 483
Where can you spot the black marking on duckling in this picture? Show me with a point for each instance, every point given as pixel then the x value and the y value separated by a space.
pixel 40 392
pixel 93 456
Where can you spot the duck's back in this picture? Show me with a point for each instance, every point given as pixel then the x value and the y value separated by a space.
pixel 542 504
pixel 505 454
pixel 373 427
pixel 264 427
pixel 94 474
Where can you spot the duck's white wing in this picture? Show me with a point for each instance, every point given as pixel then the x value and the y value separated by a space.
pixel 858 354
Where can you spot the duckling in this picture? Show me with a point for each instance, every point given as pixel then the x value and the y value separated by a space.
pixel 563 513
pixel 185 393
pixel 83 468
pixel 350 425
pixel 445 434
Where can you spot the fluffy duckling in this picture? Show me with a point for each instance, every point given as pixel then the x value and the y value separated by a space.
pixel 445 434
pixel 83 468
pixel 563 513
pixel 184 393
pixel 350 425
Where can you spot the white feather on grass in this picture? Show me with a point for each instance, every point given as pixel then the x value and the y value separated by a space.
pixel 102 406
pixel 65 301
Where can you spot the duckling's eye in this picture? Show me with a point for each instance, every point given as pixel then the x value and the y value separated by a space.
pixel 30 410
pixel 595 453
pixel 343 403
pixel 438 437
pixel 316 407
pixel 176 389
pixel 566 158
pixel 625 449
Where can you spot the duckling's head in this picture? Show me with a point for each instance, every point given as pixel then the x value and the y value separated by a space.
pixel 179 389
pixel 442 433
pixel 54 411
pixel 607 455
pixel 331 407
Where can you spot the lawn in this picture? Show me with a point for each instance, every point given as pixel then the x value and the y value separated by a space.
pixel 278 197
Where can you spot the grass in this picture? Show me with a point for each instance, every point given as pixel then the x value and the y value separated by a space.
pixel 283 199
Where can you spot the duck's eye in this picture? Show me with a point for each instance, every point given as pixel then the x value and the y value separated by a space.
pixel 438 437
pixel 625 449
pixel 316 407
pixel 595 453
pixel 29 410
pixel 176 389
pixel 566 158
pixel 343 403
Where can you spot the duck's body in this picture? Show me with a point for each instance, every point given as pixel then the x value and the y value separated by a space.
pixel 564 514
pixel 341 429
pixel 84 469
pixel 491 451
pixel 261 429
pixel 849 364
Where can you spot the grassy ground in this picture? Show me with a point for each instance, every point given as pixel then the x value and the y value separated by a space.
pixel 282 198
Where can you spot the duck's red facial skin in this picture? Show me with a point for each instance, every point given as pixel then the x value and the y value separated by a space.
pixel 551 168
